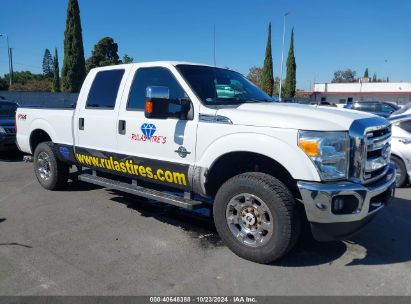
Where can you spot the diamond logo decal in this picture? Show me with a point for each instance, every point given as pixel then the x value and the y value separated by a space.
pixel 148 129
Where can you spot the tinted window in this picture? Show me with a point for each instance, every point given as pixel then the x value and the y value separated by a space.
pixel 367 107
pixel 405 125
pixel 103 91
pixel 157 76
pixel 221 86
pixel 386 108
pixel 7 109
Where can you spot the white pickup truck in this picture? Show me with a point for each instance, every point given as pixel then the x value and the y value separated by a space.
pixel 191 135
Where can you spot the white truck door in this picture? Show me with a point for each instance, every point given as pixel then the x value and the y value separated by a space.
pixel 95 122
pixel 167 146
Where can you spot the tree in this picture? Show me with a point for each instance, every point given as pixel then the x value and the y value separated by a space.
pixel 4 84
pixel 104 53
pixel 366 73
pixel 276 88
pixel 254 75
pixel 290 79
pixel 27 81
pixel 374 78
pixel 56 73
pixel 47 64
pixel 267 78
pixel 34 85
pixel 74 68
pixel 127 59
pixel 344 76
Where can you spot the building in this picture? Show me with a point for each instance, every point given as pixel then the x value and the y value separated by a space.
pixel 341 93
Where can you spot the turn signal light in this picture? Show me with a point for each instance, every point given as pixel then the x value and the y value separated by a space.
pixel 149 106
pixel 309 147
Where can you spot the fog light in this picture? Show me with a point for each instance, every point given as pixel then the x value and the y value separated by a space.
pixel 338 204
pixel 344 204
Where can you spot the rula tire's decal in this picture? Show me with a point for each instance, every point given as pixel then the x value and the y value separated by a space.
pixel 148 133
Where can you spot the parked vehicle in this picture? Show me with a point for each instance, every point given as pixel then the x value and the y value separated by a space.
pixel 380 108
pixel 406 109
pixel 176 136
pixel 7 125
pixel 401 147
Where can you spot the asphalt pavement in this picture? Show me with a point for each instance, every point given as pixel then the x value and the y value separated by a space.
pixel 87 240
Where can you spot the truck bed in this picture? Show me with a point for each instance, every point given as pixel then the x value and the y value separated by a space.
pixel 56 122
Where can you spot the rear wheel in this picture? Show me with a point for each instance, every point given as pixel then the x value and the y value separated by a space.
pixel 51 173
pixel 256 217
pixel 401 172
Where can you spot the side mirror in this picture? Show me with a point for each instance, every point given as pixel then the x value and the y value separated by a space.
pixel 157 102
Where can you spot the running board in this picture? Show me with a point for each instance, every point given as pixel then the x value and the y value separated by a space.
pixel 141 191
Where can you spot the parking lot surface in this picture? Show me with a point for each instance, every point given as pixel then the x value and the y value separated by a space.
pixel 92 241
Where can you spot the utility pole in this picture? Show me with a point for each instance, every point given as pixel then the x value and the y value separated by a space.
pixel 10 60
pixel 282 59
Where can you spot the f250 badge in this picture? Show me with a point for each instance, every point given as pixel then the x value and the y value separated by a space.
pixel 147 134
pixel 22 117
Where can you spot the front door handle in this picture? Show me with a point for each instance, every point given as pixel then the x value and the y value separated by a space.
pixel 122 127
pixel 81 123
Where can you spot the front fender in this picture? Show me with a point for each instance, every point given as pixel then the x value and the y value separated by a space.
pixel 291 157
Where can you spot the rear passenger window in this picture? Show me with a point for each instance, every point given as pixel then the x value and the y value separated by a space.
pixel 103 91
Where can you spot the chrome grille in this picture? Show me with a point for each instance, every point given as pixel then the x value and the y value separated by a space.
pixel 378 149
pixel 370 149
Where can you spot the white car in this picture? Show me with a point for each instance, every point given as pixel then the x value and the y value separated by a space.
pixel 401 147
pixel 405 110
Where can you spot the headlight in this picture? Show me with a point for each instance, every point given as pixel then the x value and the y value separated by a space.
pixel 329 151
pixel 2 130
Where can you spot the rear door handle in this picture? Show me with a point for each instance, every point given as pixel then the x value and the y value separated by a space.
pixel 122 127
pixel 81 123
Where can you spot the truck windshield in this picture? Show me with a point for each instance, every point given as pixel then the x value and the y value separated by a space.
pixel 216 86
pixel 7 109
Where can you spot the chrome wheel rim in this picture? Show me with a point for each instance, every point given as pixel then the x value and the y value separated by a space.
pixel 44 165
pixel 249 220
pixel 398 172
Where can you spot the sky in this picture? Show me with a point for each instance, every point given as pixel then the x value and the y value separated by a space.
pixel 329 35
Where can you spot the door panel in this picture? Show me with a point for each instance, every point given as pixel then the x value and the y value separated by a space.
pixel 157 139
pixel 96 123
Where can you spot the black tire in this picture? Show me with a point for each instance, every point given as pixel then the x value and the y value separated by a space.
pixel 399 164
pixel 58 171
pixel 281 204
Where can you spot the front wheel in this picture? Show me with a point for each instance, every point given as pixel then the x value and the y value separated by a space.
pixel 51 173
pixel 256 217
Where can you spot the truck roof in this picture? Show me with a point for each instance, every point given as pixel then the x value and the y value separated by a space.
pixel 157 63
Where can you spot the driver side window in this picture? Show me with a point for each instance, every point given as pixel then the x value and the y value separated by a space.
pixel 155 76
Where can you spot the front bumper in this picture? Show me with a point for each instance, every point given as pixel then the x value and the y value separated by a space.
pixel 319 200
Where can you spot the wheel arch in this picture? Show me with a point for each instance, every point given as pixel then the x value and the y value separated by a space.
pixel 275 156
pixel 38 136
pixel 233 163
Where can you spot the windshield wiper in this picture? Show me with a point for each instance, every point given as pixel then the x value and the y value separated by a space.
pixel 257 100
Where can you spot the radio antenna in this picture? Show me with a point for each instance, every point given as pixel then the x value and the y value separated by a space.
pixel 215 76
pixel 215 62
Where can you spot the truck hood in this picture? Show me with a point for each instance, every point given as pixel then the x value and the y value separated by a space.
pixel 292 116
